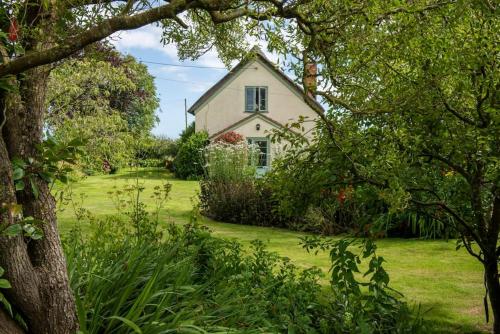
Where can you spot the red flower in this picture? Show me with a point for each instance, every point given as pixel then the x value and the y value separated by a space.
pixel 13 30
pixel 341 196
pixel 230 137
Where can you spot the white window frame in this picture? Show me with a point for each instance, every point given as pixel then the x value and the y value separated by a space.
pixel 255 95
pixel 252 140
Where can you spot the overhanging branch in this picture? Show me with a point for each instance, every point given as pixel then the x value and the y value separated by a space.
pixel 97 33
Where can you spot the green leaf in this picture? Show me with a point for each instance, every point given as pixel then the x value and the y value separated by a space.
pixel 18 174
pixel 47 177
pixel 18 162
pixel 34 188
pixel 129 323
pixel 19 185
pixel 6 304
pixel 13 230
pixel 4 284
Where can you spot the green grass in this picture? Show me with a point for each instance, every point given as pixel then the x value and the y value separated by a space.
pixel 447 284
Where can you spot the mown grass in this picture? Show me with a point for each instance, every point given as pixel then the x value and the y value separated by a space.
pixel 447 284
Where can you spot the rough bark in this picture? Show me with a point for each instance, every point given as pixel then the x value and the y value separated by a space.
pixel 491 265
pixel 493 285
pixel 36 269
pixel 13 251
pixel 8 325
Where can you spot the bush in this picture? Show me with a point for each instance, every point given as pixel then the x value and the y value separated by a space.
pixel 188 164
pixel 108 141
pixel 319 200
pixel 155 151
pixel 247 203
pixel 230 192
pixel 128 277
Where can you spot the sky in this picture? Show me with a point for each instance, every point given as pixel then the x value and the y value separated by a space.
pixel 173 84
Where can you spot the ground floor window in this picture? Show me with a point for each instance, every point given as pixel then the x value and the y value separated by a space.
pixel 263 145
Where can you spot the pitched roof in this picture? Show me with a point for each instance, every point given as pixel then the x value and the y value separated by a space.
pixel 255 52
pixel 247 119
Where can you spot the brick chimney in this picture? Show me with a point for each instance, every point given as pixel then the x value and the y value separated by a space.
pixel 310 77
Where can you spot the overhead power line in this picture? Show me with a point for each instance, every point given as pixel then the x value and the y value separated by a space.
pixel 182 65
pixel 212 83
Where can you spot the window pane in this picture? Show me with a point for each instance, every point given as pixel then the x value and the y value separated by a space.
pixel 263 98
pixel 263 152
pixel 256 105
pixel 249 98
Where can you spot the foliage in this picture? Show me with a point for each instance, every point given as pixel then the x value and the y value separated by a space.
pixel 188 163
pixel 414 114
pixel 54 161
pixel 228 162
pixel 319 200
pixel 108 142
pixel 186 133
pixel 187 280
pixel 105 98
pixel 362 306
pixel 230 191
pixel 155 151
pixel 248 203
pixel 101 80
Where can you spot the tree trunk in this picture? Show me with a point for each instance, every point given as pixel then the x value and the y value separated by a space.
pixel 36 269
pixel 491 265
pixel 493 285
pixel 8 325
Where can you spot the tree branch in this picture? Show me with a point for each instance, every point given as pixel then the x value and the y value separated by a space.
pixel 452 212
pixel 448 162
pixel 100 31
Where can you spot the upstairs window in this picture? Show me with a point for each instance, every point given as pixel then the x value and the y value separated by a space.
pixel 256 99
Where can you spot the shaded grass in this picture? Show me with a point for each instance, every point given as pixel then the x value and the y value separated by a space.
pixel 445 282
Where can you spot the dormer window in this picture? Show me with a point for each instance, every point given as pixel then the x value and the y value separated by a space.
pixel 256 99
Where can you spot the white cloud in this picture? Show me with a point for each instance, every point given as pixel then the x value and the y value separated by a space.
pixel 148 38
pixel 145 38
pixel 173 72
pixel 199 87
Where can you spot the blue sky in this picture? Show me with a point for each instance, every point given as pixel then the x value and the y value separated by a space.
pixel 173 84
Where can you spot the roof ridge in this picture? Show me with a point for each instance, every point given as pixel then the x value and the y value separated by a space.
pixel 248 57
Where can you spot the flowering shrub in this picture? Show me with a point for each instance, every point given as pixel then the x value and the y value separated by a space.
pixel 230 191
pixel 230 162
pixel 230 137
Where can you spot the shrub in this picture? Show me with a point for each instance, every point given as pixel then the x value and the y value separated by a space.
pixel 128 277
pixel 186 133
pixel 108 141
pixel 155 151
pixel 247 203
pixel 188 164
pixel 230 192
pixel 226 162
pixel 319 200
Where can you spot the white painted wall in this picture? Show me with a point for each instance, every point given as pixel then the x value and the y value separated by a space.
pixel 228 105
pixel 248 129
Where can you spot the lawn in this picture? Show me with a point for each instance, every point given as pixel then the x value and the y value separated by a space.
pixel 447 284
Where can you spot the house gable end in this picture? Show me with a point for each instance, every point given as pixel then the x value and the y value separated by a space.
pixel 256 57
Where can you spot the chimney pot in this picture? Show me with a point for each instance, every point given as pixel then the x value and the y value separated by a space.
pixel 310 78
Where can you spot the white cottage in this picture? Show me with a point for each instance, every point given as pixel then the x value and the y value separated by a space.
pixel 254 98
